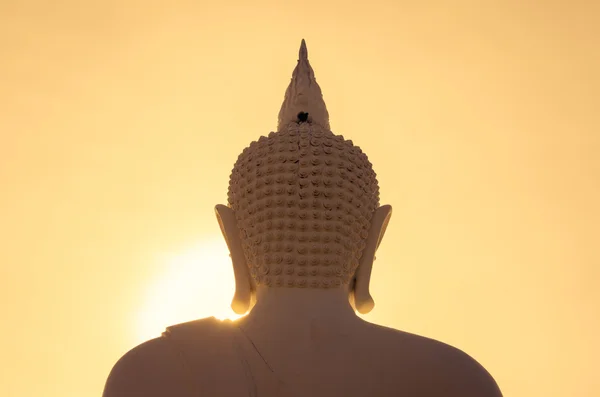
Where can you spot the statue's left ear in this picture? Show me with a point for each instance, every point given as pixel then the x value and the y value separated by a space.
pixel 363 302
pixel 243 285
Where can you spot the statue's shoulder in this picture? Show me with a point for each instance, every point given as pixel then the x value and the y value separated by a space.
pixel 445 369
pixel 150 369
pixel 176 364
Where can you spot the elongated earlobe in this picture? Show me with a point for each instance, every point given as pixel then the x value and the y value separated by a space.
pixel 243 286
pixel 363 302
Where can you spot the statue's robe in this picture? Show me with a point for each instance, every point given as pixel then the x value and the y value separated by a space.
pixel 222 361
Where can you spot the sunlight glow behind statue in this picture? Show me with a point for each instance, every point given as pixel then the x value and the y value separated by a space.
pixel 192 283
pixel 302 224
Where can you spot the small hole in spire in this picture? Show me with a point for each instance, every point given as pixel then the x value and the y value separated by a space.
pixel 302 117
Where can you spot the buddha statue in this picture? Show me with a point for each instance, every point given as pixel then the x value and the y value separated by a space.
pixel 302 223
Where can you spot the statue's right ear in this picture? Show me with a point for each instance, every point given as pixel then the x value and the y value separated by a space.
pixel 243 285
pixel 363 302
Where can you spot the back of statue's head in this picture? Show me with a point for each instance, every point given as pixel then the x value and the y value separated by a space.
pixel 303 199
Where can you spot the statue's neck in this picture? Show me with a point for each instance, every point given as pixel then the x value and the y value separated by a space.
pixel 298 312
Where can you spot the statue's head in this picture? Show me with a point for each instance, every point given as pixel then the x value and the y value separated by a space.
pixel 303 204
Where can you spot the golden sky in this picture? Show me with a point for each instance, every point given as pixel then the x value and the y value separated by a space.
pixel 121 120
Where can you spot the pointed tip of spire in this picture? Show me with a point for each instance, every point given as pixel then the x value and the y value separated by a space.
pixel 303 100
pixel 303 51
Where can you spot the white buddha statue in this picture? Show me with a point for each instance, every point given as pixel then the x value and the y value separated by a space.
pixel 303 222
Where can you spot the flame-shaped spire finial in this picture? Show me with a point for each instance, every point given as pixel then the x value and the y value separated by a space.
pixel 303 101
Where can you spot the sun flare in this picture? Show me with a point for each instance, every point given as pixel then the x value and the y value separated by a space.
pixel 192 284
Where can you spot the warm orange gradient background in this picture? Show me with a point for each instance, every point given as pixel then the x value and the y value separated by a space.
pixel 120 123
